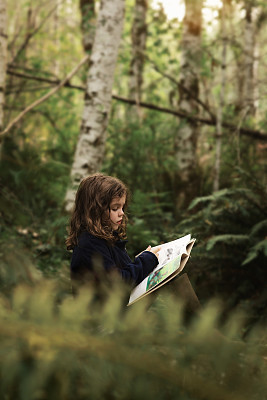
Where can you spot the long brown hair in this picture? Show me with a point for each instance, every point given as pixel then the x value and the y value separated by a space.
pixel 91 208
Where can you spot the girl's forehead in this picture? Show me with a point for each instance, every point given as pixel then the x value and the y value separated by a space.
pixel 119 200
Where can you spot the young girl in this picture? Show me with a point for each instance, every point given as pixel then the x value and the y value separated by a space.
pixel 98 228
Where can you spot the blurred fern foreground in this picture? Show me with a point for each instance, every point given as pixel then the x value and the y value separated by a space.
pixel 54 346
pixel 198 89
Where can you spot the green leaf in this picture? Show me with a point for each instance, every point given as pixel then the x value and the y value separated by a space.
pixel 255 251
pixel 226 239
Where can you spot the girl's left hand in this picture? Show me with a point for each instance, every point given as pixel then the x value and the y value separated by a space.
pixel 155 251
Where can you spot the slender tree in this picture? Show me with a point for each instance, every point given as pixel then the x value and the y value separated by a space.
pixel 186 140
pixel 90 149
pixel 246 62
pixel 216 182
pixel 3 60
pixel 139 34
pixel 249 58
pixel 87 8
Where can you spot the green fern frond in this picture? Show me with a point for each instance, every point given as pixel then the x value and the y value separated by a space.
pixel 255 251
pixel 258 227
pixel 227 239
pixel 205 199
pixel 223 194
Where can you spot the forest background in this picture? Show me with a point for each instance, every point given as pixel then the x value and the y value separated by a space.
pixel 174 106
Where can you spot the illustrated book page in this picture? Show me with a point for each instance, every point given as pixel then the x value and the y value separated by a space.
pixel 172 259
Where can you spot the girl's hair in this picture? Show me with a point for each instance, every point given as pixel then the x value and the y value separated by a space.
pixel 91 208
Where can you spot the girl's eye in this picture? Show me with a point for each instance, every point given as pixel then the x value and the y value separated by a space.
pixel 114 209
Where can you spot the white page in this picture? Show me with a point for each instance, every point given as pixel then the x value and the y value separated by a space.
pixel 169 251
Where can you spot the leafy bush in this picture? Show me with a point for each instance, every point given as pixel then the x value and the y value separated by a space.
pixel 54 346
pixel 231 254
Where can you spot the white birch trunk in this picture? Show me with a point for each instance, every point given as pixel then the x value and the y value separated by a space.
pixel 216 182
pixel 186 141
pixel 249 44
pixel 247 66
pixel 3 61
pixel 139 35
pixel 90 149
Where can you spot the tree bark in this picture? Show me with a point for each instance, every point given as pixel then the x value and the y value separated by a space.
pixel 88 23
pixel 249 44
pixel 186 140
pixel 246 103
pixel 219 121
pixel 90 149
pixel 3 61
pixel 139 35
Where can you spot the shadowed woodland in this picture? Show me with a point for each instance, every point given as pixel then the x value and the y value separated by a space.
pixel 174 104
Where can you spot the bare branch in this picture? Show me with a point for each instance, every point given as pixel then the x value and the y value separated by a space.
pixel 31 34
pixel 179 85
pixel 255 134
pixel 45 97
pixel 46 80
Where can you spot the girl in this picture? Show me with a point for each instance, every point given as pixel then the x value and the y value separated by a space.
pixel 98 227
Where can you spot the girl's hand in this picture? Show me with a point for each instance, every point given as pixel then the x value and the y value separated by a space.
pixel 155 251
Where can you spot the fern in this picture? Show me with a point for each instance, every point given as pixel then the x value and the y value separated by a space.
pixel 260 247
pixel 81 349
pixel 260 226
pixel 227 239
pixel 230 228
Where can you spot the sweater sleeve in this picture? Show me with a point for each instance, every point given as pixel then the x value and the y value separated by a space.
pixel 141 267
pixel 131 271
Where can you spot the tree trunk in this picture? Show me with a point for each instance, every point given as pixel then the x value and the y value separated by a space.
pixel 91 143
pixel 216 182
pixel 3 61
pixel 139 34
pixel 186 141
pixel 246 103
pixel 87 8
pixel 249 44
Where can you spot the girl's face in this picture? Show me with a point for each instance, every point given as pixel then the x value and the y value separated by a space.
pixel 116 212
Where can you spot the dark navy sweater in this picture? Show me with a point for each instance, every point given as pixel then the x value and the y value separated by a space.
pixel 112 256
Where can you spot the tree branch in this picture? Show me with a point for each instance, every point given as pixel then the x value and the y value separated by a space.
pixel 41 79
pixel 255 134
pixel 45 97
pixel 179 85
pixel 31 34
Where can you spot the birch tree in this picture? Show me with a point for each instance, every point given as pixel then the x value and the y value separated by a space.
pixel 247 65
pixel 186 140
pixel 139 35
pixel 249 59
pixel 216 182
pixel 3 60
pixel 90 148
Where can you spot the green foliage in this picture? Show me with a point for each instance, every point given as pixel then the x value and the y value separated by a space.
pixel 231 254
pixel 142 161
pixel 228 240
pixel 56 346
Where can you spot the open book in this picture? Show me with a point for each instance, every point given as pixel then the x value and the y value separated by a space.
pixel 172 259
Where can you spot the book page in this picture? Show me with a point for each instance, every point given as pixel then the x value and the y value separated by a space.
pixel 171 250
pixel 172 259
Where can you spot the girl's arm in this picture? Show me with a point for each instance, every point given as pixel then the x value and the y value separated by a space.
pixel 131 272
